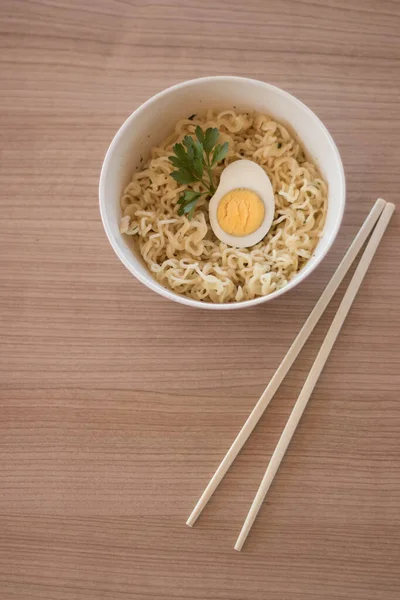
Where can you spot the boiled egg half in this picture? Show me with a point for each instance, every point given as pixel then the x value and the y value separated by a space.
pixel 242 209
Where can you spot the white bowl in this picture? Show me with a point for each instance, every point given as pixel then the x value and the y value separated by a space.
pixel 156 118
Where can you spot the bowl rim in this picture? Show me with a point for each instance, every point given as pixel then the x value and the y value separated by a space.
pixel 149 281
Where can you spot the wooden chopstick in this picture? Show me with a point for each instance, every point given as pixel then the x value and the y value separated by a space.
pixel 289 359
pixel 315 372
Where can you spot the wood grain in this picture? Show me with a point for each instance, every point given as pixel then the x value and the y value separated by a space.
pixel 116 405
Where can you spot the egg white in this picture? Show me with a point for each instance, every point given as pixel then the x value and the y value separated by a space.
pixel 243 174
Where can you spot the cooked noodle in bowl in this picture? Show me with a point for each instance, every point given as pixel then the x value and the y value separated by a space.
pixel 173 246
pixel 185 255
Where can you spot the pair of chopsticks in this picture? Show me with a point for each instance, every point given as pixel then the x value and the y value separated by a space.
pixel 379 218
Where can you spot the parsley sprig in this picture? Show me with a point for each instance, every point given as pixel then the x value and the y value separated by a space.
pixel 194 160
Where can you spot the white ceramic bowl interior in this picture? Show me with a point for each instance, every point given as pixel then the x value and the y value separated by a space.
pixel 156 118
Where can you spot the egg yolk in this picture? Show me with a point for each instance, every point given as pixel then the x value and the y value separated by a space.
pixel 240 212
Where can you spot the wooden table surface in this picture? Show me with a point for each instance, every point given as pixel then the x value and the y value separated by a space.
pixel 116 404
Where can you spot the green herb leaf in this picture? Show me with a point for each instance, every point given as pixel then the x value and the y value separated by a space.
pixel 200 134
pixel 198 167
pixel 192 161
pixel 188 196
pixel 189 143
pixel 212 134
pixel 219 153
pixel 198 150
pixel 190 214
pixel 174 160
pixel 190 153
pixel 188 208
pixel 180 153
pixel 188 202
pixel 183 176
